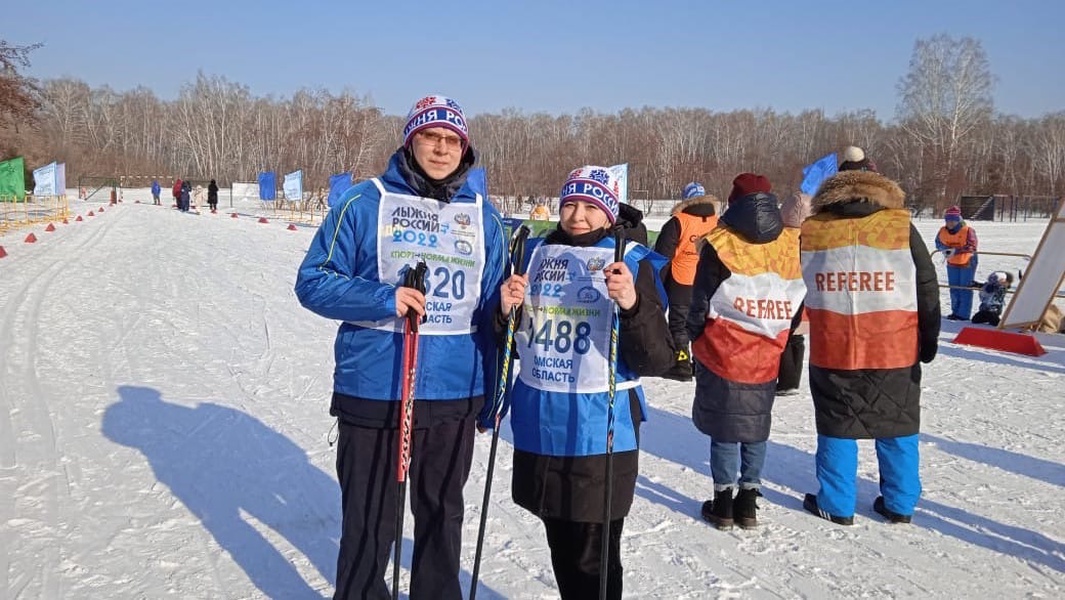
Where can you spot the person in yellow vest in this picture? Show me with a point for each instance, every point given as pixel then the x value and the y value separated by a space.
pixel 692 218
pixel 540 211
pixel 957 241
pixel 746 299
pixel 873 304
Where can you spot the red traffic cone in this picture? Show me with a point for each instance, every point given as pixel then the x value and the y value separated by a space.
pixel 234 215
pixel 31 238
pixel 101 209
pixel 263 220
pixel 51 227
pixel 90 214
pixel 3 252
pixel 65 221
pixel 292 227
pixel 79 218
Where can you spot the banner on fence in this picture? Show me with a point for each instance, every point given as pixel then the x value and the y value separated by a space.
pixel 267 185
pixel 13 180
pixel 44 183
pixel 293 185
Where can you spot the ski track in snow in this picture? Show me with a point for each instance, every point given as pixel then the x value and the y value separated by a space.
pixel 164 422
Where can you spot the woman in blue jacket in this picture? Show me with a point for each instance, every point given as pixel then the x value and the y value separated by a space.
pixel 560 398
pixel 429 205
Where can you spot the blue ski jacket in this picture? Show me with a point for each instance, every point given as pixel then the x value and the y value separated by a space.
pixel 338 280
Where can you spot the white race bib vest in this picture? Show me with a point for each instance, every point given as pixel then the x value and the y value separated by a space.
pixel 564 338
pixel 450 239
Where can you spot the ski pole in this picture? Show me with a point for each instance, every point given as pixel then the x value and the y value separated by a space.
pixel 414 278
pixel 517 265
pixel 612 375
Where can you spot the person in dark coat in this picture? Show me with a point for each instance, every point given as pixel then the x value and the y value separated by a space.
pixel 561 399
pixel 873 305
pixel 185 202
pixel 746 300
pixel 692 218
pixel 212 196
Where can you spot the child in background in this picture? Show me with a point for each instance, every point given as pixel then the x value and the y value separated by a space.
pixel 993 297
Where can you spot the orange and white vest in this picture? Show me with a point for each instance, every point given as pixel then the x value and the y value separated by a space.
pixel 685 258
pixel 861 291
pixel 750 314
pixel 956 240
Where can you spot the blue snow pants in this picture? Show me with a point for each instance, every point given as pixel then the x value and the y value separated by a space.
pixel 837 473
pixel 961 301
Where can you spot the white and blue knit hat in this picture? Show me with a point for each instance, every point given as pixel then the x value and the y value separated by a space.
pixel 693 190
pixel 595 185
pixel 436 111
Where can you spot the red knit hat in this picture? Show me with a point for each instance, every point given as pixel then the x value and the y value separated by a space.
pixel 746 184
pixel 953 214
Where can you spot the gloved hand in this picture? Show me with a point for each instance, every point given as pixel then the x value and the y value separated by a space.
pixel 928 352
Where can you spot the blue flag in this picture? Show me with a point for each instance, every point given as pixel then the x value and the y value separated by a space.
pixel 814 174
pixel 267 185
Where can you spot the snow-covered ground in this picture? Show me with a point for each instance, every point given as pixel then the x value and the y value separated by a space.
pixel 164 426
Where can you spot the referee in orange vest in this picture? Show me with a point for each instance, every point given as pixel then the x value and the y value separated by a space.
pixel 873 303
pixel 692 218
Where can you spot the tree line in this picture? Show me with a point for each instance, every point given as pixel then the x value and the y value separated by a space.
pixel 946 139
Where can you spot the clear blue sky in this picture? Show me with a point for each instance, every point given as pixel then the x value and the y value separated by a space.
pixel 553 56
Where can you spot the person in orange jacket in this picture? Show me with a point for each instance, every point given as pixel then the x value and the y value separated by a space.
pixel 693 218
pixel 957 241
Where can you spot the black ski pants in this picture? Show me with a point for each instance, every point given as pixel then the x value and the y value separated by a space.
pixel 366 468
pixel 680 298
pixel 575 551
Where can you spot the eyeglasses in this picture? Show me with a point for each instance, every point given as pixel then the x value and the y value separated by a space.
pixel 433 138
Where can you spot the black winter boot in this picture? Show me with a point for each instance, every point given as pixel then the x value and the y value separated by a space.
pixel 745 509
pixel 719 510
pixel 892 516
pixel 810 504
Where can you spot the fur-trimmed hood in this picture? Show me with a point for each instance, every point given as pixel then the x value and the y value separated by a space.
pixel 708 204
pixel 859 186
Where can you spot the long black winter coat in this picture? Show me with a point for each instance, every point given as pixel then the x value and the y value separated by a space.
pixel 725 410
pixel 876 403
pixel 572 488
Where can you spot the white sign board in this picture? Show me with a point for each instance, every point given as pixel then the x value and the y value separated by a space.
pixel 1042 279
pixel 293 186
pixel 44 180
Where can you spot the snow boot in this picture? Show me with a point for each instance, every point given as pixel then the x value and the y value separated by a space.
pixel 718 511
pixel 745 508
pixel 681 369
pixel 810 504
pixel 891 516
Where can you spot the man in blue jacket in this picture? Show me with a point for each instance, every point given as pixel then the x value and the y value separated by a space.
pixel 429 205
